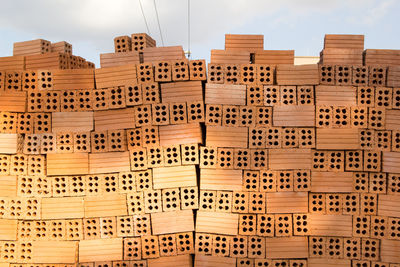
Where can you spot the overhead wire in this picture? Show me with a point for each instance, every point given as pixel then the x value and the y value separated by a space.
pixel 189 53
pixel 158 22
pixel 144 17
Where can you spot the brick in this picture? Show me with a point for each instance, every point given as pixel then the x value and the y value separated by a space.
pixel 91 228
pixel 247 224
pixel 178 113
pixel 195 111
pixel 152 201
pixel 383 97
pixel 232 73
pixel 372 161
pixel 317 203
pixel 247 116
pixel 215 73
pixel 93 185
pixel 170 199
pixel 150 247
pixel 396 141
pixel 101 99
pixel 257 202
pixel 13 81
pixel 376 118
pixel 124 226
pixel 334 247
pixel 180 70
pixel 155 157
pixel 265 74
pixel 259 159
pixel 64 143
pixel 248 74
pixel 208 200
pixel 324 116
pixel 29 80
pixel 116 140
pixel 377 183
pixel 283 225
pixel 284 181
pixel 77 185
pixel 290 138
pixel 257 137
pixel 393 183
pixel 383 140
pixel 208 157
pixel 288 95
pixel 241 158
pixel 162 71
pixel 8 122
pixel 366 96
pixel 360 182
pixel 116 97
pixel 341 117
pixel 327 74
pixel 223 201
pixel 367 139
pixel 305 95
pixel 122 44
pixel 255 95
pixel 69 100
pixel 225 158
pixel 238 246
pixel 370 249
pixel 142 115
pixel 142 226
pixel 36 165
pixel 145 72
pixel 220 245
pixel 138 159
pixel 268 181
pixel 393 231
pixel 190 154
pixel 377 76
pixel 251 181
pixel 133 94
pixel 213 114
pixel 379 227
pixel 368 203
pixel 360 75
pixel 99 141
pixel 359 117
pixel 167 245
pixel 84 100
pixel 230 115
pixel 160 114
pixel 32 144
pixel 203 244
pixel 273 137
pixel 82 142
pixel 197 70
pixel 18 164
pixel 317 247
pixel 134 138
pixel 352 248
pixel 60 187
pixel 256 247
pixel 343 75
pixel 135 202
pixel 151 93
pixel 144 180
pixel 189 198
pixel 272 95
pixel 333 204
pixel 396 98
pixel 132 248
pixel 240 202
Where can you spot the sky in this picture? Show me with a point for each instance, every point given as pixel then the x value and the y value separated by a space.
pixel 91 25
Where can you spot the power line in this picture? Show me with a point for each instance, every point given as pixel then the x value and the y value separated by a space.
pixel 189 53
pixel 144 17
pixel 158 21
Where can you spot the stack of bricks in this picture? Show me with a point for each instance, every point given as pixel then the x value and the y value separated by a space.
pixel 155 163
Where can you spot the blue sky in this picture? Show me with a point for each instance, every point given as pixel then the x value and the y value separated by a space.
pixel 91 25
